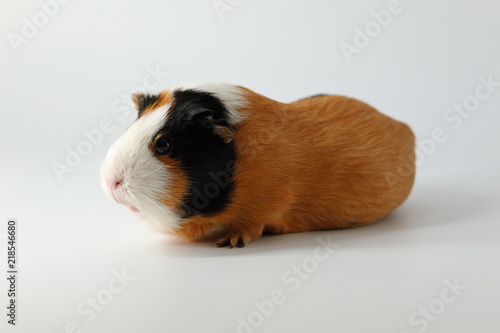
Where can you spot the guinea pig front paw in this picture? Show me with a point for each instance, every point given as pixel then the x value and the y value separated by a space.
pixel 230 241
pixel 237 239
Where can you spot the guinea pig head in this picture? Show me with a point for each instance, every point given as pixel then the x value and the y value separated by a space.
pixel 161 165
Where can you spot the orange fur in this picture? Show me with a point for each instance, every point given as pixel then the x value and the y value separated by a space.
pixel 165 98
pixel 325 162
pixel 178 185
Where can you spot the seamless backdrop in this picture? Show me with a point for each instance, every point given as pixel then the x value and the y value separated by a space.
pixel 86 265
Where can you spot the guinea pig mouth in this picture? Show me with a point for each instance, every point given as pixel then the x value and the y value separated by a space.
pixel 132 208
pixel 119 200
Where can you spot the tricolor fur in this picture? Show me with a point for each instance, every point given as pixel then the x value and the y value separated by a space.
pixel 210 155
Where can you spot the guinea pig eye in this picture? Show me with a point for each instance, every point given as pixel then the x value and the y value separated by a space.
pixel 162 146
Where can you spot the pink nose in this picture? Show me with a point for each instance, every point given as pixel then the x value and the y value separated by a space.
pixel 114 186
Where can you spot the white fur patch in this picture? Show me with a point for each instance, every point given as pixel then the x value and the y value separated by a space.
pixel 144 177
pixel 231 95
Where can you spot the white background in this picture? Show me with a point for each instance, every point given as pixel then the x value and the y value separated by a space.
pixel 74 72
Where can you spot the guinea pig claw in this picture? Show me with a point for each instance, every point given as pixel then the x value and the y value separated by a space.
pixel 230 241
pixel 222 243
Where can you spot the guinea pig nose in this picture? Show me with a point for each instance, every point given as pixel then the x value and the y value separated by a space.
pixel 114 183
pixel 117 183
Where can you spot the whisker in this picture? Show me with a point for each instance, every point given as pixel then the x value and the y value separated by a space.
pixel 152 172
pixel 155 203
pixel 89 168
pixel 152 189
pixel 98 188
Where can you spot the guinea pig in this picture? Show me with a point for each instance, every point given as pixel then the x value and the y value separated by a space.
pixel 208 157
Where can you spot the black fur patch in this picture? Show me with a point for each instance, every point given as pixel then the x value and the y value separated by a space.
pixel 204 156
pixel 143 101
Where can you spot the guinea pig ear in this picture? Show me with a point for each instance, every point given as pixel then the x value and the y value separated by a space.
pixel 138 100
pixel 225 131
pixel 220 127
pixel 143 101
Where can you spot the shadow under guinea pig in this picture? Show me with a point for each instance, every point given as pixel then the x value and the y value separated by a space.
pixel 427 207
